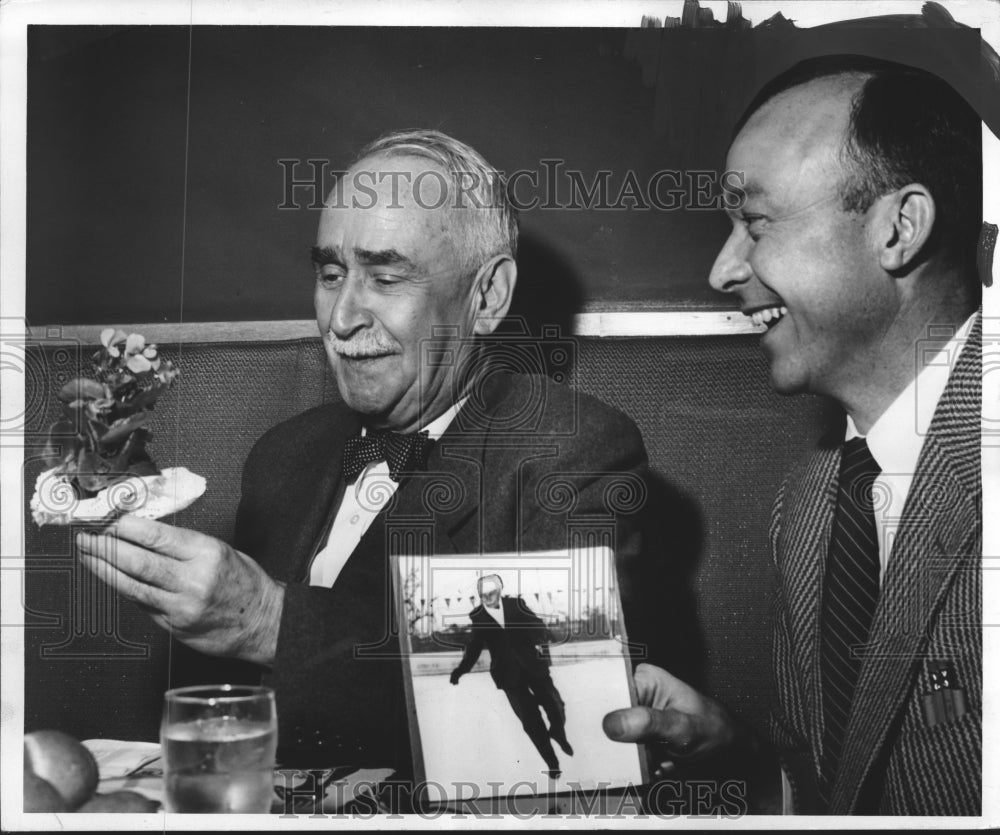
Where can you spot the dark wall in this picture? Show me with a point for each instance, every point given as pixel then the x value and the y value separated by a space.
pixel 110 145
pixel 154 179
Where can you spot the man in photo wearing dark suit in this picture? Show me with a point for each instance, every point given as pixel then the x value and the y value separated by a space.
pixel 517 640
pixel 432 448
pixel 855 251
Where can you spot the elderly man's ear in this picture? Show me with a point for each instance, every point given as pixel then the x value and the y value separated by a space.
pixel 904 220
pixel 493 293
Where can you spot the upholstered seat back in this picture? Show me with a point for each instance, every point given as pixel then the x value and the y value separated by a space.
pixel 719 441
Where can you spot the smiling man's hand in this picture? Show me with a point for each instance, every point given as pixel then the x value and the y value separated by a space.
pixel 677 721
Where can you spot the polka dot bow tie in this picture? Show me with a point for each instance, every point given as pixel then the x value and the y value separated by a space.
pixel 402 452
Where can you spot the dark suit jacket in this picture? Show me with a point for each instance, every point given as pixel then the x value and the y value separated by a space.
pixel 526 464
pixel 930 609
pixel 515 647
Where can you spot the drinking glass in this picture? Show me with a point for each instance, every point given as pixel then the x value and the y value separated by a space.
pixel 218 745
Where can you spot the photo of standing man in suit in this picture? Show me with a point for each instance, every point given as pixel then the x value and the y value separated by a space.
pixel 517 640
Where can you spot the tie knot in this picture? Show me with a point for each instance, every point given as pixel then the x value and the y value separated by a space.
pixel 402 452
pixel 856 456
pixel 858 471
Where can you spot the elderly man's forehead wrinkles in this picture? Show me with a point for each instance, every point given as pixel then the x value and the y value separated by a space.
pixel 335 197
pixel 394 177
pixel 322 255
pixel 383 258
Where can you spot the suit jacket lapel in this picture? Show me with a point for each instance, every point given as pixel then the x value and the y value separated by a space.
pixel 440 506
pixel 511 611
pixel 430 509
pixel 812 499
pixel 942 509
pixel 316 482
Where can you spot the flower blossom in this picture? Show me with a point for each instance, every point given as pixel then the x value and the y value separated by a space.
pixel 110 337
pixel 140 356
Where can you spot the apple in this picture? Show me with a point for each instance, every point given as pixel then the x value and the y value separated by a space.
pixel 40 795
pixel 64 763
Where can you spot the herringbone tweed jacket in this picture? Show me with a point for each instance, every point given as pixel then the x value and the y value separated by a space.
pixel 930 609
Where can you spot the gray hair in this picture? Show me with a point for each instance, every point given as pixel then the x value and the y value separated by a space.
pixel 484 578
pixel 492 228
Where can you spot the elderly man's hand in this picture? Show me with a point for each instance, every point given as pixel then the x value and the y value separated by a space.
pixel 207 594
pixel 677 721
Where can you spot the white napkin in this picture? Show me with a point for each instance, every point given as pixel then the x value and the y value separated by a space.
pixel 117 758
pixel 151 497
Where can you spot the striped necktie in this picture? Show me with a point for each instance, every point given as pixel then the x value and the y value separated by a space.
pixel 850 594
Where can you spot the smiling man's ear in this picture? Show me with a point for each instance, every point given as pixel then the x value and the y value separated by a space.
pixel 494 292
pixel 905 219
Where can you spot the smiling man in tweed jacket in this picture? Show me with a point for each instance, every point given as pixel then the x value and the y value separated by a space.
pixel 855 249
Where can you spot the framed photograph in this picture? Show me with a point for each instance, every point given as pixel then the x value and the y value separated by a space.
pixel 511 662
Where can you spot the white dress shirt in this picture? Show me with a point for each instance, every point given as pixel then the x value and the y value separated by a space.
pixel 362 502
pixel 497 613
pixel 897 437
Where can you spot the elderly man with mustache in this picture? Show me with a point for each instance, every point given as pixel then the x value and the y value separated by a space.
pixel 432 449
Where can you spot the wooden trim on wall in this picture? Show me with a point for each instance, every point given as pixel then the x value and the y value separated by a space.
pixel 600 324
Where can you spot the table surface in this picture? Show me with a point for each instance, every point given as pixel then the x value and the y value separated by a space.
pixel 138 767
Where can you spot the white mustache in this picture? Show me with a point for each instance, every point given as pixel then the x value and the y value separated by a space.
pixel 365 345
